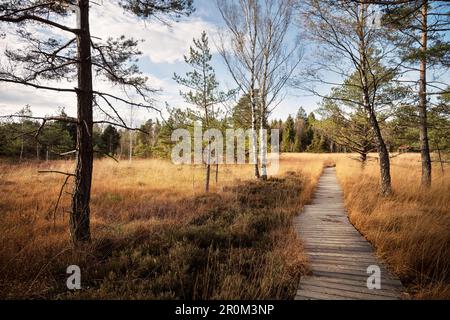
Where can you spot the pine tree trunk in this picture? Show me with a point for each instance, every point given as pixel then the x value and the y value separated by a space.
pixel 80 215
pixel 363 159
pixel 21 147
pixel 131 147
pixel 383 154
pixel 208 166
pixel 423 126
pixel 440 157
pixel 217 173
pixel 208 176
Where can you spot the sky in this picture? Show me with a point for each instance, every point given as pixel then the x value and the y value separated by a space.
pixel 163 49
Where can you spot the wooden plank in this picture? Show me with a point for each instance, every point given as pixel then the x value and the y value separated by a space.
pixel 386 292
pixel 339 255
pixel 362 282
pixel 316 236
pixel 362 261
pixel 339 243
pixel 354 276
pixel 333 239
pixel 312 295
pixel 348 263
pixel 298 297
pixel 339 268
pixel 354 255
pixel 336 250
pixel 328 248
pixel 319 259
pixel 345 293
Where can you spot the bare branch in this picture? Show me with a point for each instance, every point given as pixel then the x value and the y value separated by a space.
pixel 57 172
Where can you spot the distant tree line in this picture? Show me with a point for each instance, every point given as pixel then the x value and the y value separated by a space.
pixel 330 131
pixel 56 139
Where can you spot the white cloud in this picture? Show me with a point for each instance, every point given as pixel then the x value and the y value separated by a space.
pixel 162 44
pixel 14 97
pixel 43 102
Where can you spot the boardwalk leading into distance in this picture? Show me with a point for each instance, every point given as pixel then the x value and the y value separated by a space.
pixel 339 256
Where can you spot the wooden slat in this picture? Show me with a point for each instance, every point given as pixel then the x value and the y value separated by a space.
pixel 345 293
pixel 366 262
pixel 313 295
pixel 358 282
pixel 339 255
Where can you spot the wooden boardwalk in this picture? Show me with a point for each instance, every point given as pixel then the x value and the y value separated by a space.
pixel 339 256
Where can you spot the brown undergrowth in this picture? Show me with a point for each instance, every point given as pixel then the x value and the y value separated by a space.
pixel 158 241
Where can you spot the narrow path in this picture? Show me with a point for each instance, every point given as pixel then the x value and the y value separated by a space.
pixel 339 256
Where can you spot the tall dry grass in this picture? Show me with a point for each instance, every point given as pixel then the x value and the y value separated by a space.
pixel 155 233
pixel 410 230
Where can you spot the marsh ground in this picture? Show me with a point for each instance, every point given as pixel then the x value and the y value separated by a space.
pixel 157 235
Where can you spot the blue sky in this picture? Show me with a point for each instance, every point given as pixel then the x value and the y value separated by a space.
pixel 206 10
pixel 163 50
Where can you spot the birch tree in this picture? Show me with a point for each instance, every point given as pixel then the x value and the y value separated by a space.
pixel 242 55
pixel 262 55
pixel 281 55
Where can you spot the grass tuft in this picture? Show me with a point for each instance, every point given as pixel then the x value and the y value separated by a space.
pixel 155 234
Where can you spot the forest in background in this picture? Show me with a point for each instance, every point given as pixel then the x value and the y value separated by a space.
pixel 326 130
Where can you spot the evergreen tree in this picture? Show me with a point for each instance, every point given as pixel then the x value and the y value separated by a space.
pixel 145 140
pixel 288 135
pixel 203 88
pixel 318 141
pixel 62 51
pixel 301 122
pixel 55 140
pixel 110 140
pixel 418 28
pixel 178 119
pixel 242 112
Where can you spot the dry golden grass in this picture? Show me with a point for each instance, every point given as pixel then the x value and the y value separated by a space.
pixel 155 233
pixel 410 229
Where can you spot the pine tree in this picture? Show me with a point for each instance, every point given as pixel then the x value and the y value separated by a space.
pixel 110 140
pixel 418 28
pixel 288 135
pixel 242 113
pixel 203 88
pixel 342 30
pixel 301 121
pixel 75 55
